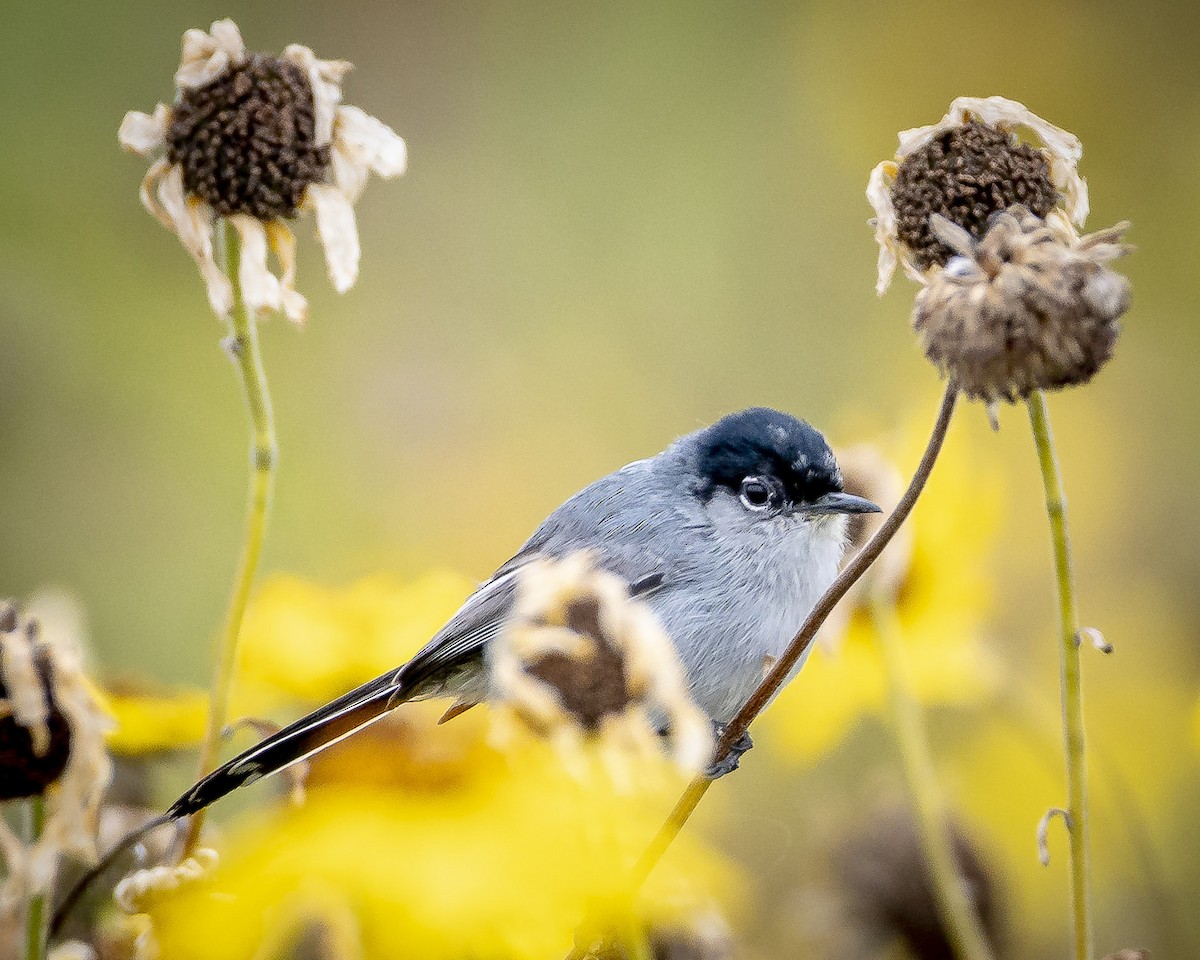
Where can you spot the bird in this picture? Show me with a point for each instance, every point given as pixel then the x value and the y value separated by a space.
pixel 730 535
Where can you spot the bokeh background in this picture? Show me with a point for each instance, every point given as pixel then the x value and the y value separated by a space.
pixel 620 221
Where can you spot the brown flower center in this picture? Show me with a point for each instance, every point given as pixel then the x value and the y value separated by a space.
pixel 967 174
pixel 245 140
pixel 589 689
pixel 24 772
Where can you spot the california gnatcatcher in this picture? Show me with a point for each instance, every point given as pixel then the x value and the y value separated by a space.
pixel 730 535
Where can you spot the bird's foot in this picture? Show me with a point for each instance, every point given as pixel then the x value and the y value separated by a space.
pixel 733 756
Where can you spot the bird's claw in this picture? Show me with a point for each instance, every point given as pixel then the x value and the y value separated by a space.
pixel 732 757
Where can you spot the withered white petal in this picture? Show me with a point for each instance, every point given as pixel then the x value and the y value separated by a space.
pixel 144 133
pixel 148 192
pixel 25 694
pixel 371 141
pixel 260 288
pixel 338 232
pixel 348 171
pixel 192 222
pixel 283 244
pixel 206 56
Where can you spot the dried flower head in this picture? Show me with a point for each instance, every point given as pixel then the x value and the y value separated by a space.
pixel 51 743
pixel 582 659
pixel 35 737
pixel 1029 306
pixel 889 892
pixel 256 139
pixel 967 167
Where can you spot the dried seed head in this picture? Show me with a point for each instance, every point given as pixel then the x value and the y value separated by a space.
pixel 246 140
pixel 1027 307
pixel 890 893
pixel 966 174
pixel 594 683
pixel 581 659
pixel 35 737
pixel 967 167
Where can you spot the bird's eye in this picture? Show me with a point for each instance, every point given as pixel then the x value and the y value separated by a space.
pixel 757 493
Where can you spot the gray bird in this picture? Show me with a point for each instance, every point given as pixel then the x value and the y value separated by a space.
pixel 730 535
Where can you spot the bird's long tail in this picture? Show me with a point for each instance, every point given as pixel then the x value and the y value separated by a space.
pixel 298 740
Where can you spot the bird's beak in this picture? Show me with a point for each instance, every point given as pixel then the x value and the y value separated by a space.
pixel 839 503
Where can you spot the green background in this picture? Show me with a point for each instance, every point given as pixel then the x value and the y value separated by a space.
pixel 620 221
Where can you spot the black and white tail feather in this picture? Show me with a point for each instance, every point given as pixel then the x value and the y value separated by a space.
pixel 451 663
pixel 296 742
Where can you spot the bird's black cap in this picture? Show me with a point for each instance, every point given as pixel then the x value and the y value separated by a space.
pixel 764 442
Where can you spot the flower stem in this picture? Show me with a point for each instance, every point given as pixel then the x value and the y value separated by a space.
pixel 1072 686
pixel 959 917
pixel 243 347
pixel 775 679
pixel 36 916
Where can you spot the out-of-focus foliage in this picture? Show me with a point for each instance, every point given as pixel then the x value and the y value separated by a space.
pixel 619 222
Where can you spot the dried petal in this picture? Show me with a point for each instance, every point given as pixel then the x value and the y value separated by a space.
pixel 338 232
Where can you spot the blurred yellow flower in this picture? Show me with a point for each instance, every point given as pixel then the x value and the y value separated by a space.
pixel 152 721
pixel 506 863
pixel 940 604
pixel 302 641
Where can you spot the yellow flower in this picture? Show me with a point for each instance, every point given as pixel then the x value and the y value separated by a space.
pixel 940 604
pixel 302 643
pixel 507 864
pixel 152 721
pixel 305 642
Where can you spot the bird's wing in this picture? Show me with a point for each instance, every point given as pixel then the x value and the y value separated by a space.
pixel 626 537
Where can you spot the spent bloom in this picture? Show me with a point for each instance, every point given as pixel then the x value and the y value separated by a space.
pixel 257 139
pixel 966 167
pixel 1013 299
pixel 51 745
pixel 1027 307
pixel 582 659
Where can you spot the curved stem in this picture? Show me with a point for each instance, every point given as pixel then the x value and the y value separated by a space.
pixel 1072 686
pixel 959 917
pixel 778 674
pixel 35 914
pixel 243 347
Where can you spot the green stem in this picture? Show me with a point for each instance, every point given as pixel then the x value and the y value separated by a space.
pixel 1072 686
pixel 959 917
pixel 36 915
pixel 243 346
